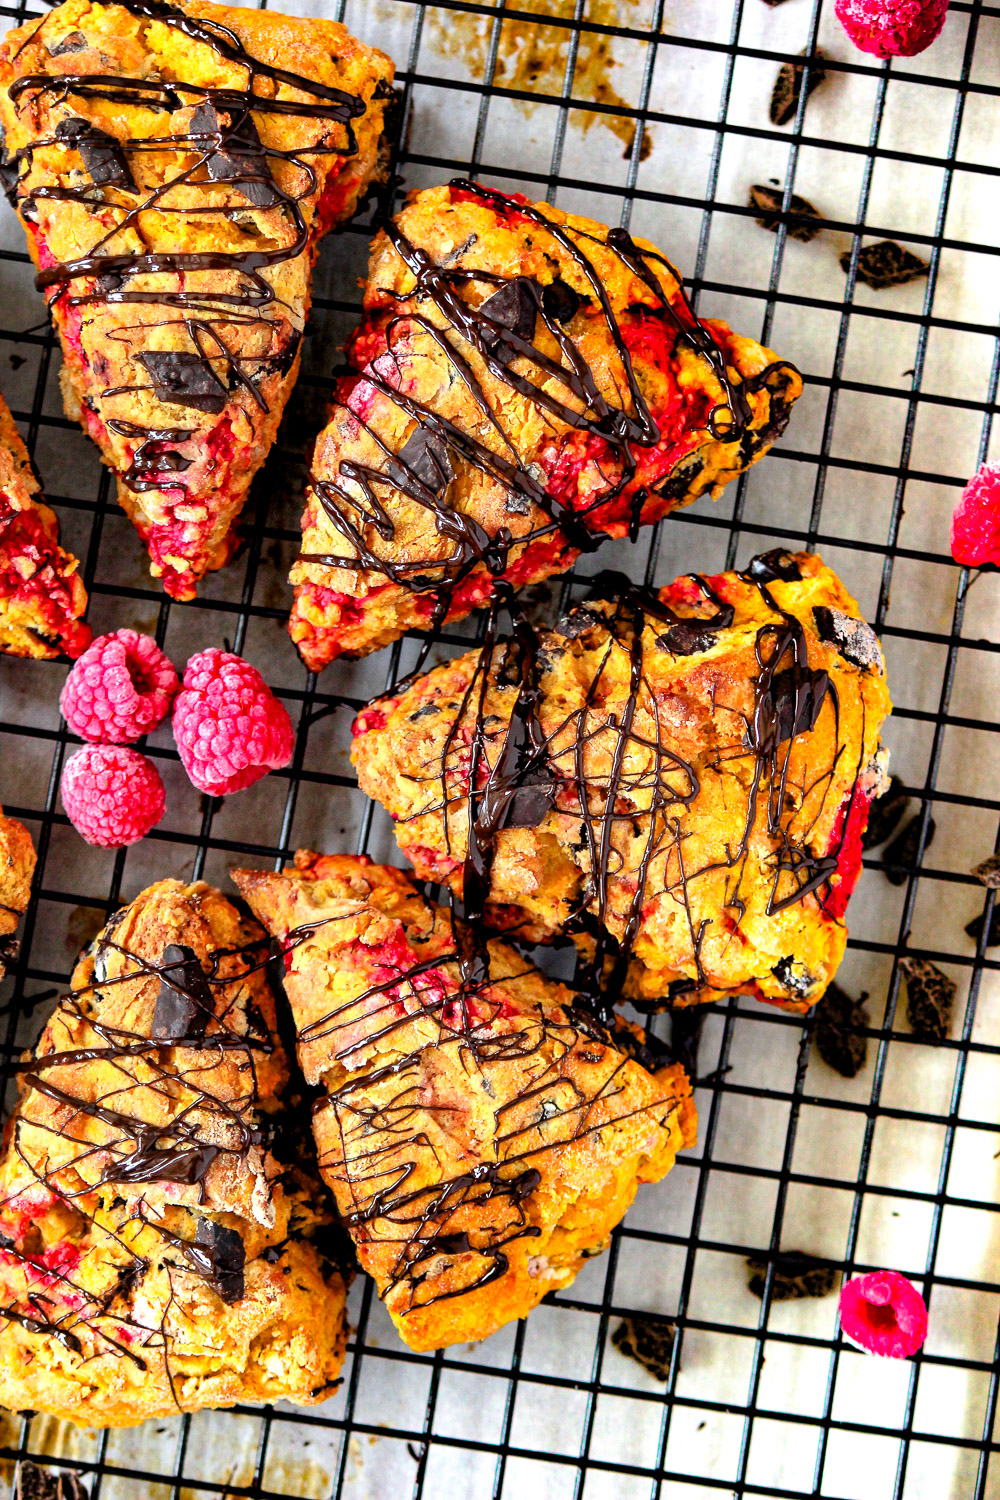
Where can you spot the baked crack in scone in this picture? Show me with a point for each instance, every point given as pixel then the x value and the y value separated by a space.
pixel 174 166
pixel 679 780
pixel 17 866
pixel 526 384
pixel 158 1252
pixel 481 1135
pixel 41 592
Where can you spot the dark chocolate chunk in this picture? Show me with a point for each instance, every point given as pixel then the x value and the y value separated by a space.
pixel 930 997
pixel 184 1003
pixel 100 153
pixel 579 620
pixel 975 927
pixel 901 855
pixel 839 1023
pixel 73 41
pixel 185 379
pixel 9 172
pixel 10 947
pixel 685 638
pixel 426 458
pixel 884 814
pixel 227 1255
pixel 988 872
pixel 32 1482
pixel 238 155
pixel 797 699
pixel 677 485
pixel 788 87
pixel 425 711
pixel 795 1275
pixel 559 301
pixel 886 264
pixel 793 976
pixel 769 200
pixel 647 1339
pixel 513 306
pixel 854 639
pixel 771 567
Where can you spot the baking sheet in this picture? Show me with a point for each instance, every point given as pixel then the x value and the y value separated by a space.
pixel 901 387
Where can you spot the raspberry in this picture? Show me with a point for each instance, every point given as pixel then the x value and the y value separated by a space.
pixel 975 526
pixel 119 690
pixel 112 796
pixel 892 28
pixel 229 727
pixel 884 1313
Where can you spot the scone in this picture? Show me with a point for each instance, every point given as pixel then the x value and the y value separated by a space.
pixel 526 384
pixel 482 1137
pixel 159 1253
pixel 174 166
pixel 17 866
pixel 678 780
pixel 41 592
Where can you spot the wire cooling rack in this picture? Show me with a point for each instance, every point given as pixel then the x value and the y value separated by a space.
pixel 896 1167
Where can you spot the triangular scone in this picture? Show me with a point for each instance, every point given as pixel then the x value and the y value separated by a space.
pixel 17 866
pixel 679 781
pixel 481 1140
pixel 158 1252
pixel 174 167
pixel 41 592
pixel 528 383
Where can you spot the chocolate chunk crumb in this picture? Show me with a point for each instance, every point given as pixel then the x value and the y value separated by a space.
pixel 776 566
pixel 838 1018
pixel 788 87
pixel 795 1275
pixel 886 264
pixel 73 41
pixel 768 200
pixel 854 639
pixel 988 872
pixel 226 1254
pixel 975 927
pixel 930 996
pixel 647 1339
pixel 184 1003
pixel 32 1482
pixel 901 855
pixel 884 814
pixel 184 378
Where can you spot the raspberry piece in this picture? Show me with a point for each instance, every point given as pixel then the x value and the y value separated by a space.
pixel 884 1313
pixel 892 28
pixel 975 525
pixel 229 727
pixel 112 796
pixel 119 690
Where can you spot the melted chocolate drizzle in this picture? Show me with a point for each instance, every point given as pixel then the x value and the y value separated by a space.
pixel 222 136
pixel 501 331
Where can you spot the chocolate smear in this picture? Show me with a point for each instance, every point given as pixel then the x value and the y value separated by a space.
pixel 647 1339
pixel 769 200
pixel 886 264
pixel 975 927
pixel 788 87
pixel 901 855
pixel 795 1275
pixel 930 999
pixel 838 1038
pixel 885 813
pixel 987 872
pixel 32 1482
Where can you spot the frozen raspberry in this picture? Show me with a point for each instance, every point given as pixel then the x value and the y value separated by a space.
pixel 112 796
pixel 884 1313
pixel 119 690
pixel 229 727
pixel 892 28
pixel 975 526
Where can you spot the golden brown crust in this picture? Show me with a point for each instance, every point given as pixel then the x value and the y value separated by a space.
pixel 732 848
pixel 252 192
pixel 42 596
pixel 17 866
pixel 481 1142
pixel 522 448
pixel 129 1286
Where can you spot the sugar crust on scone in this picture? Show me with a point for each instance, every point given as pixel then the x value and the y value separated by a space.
pixel 174 167
pixel 481 1141
pixel 684 790
pixel 42 596
pixel 526 383
pixel 158 1252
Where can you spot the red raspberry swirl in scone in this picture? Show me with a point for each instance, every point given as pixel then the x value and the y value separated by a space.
pixel 174 167
pixel 526 384
pixel 678 780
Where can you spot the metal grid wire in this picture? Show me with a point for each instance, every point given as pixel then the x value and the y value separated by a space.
pixel 478 1421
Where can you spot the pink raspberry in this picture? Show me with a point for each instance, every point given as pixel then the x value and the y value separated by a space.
pixel 119 690
pixel 975 526
pixel 892 28
pixel 112 796
pixel 884 1313
pixel 229 727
